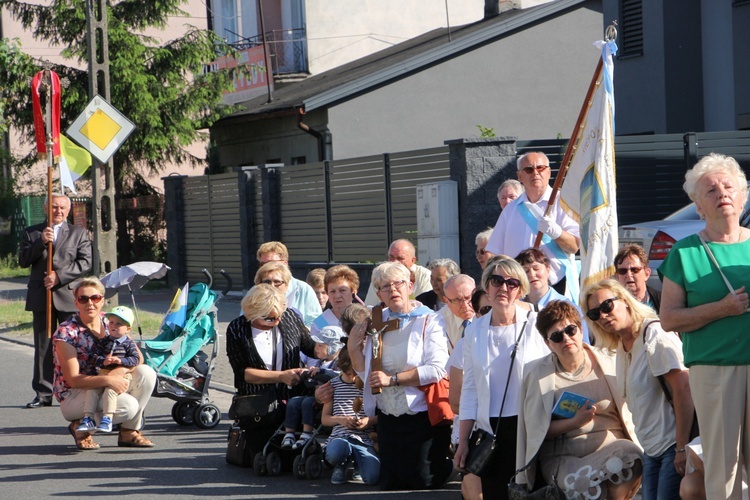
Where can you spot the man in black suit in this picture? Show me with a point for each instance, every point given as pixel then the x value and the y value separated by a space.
pixel 71 259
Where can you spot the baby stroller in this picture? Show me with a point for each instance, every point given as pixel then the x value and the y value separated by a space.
pixel 183 370
pixel 307 461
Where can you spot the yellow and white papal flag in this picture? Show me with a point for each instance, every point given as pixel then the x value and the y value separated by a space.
pixel 588 192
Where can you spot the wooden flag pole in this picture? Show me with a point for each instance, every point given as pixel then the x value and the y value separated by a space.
pixel 50 165
pixel 572 145
pixel 610 35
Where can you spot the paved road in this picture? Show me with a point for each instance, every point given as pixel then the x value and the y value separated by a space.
pixel 38 458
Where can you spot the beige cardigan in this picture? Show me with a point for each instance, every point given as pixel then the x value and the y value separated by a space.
pixel 537 400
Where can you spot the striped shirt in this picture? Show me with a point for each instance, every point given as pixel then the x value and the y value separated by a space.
pixel 344 394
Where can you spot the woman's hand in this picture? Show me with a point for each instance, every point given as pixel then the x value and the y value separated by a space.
pixel 735 303
pixel 117 384
pixel 459 458
pixel 357 336
pixel 290 377
pixel 583 416
pixel 379 379
pixel 680 461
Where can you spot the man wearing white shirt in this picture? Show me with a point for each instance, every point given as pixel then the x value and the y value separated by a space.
pixel 457 312
pixel 299 295
pixel 519 223
pixel 403 251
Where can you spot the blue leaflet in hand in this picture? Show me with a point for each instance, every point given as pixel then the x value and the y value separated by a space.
pixel 569 403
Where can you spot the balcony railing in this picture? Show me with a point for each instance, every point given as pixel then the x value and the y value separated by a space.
pixel 287 49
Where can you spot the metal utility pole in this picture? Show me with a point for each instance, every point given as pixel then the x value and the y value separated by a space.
pixel 103 187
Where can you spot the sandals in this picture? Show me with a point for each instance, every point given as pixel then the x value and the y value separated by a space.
pixel 136 441
pixel 83 443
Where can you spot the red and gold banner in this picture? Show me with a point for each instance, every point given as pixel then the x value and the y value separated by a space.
pixel 53 93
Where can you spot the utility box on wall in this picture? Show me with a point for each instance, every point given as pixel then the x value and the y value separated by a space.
pixel 437 221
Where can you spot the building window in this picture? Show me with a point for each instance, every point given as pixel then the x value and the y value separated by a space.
pixel 631 28
pixel 299 160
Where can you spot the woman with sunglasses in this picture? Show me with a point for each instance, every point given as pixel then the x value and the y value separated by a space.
pixel 263 347
pixel 413 453
pixel 705 297
pixel 488 346
pixel 646 353
pixel 588 453
pixel 73 344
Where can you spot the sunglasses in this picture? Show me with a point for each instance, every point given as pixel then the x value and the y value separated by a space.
pixel 557 336
pixel 84 299
pixel 498 281
pixel 538 168
pixel 276 283
pixel 605 307
pixel 270 319
pixel 484 310
pixel 622 271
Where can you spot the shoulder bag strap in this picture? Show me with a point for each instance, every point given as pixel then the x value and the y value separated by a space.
pixel 660 378
pixel 716 263
pixel 510 372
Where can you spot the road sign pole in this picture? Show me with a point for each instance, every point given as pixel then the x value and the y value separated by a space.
pixel 102 174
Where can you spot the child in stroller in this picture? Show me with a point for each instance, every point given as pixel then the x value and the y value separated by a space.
pixel 303 408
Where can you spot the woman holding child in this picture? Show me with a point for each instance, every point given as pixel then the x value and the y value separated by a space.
pixel 263 347
pixel 591 453
pixel 75 372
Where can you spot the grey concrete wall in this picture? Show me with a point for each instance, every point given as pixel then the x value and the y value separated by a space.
pixel 529 84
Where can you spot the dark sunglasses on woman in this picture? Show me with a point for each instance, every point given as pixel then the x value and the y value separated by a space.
pixel 83 299
pixel 557 336
pixel 605 307
pixel 498 281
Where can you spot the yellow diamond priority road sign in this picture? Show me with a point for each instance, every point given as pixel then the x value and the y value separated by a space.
pixel 101 129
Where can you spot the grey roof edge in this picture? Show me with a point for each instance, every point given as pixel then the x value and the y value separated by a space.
pixel 445 51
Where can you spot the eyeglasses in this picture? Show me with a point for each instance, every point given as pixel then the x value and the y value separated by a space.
pixel 271 319
pixel 622 271
pixel 84 299
pixel 557 336
pixel 605 307
pixel 458 300
pixel 538 168
pixel 276 283
pixel 395 285
pixel 484 310
pixel 498 281
pixel 480 252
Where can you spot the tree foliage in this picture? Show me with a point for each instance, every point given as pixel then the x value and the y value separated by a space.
pixel 162 88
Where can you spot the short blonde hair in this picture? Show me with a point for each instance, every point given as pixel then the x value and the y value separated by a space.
pixel 262 300
pixel 273 247
pixel 509 267
pixel 638 312
pixel 91 281
pixel 714 163
pixel 270 267
pixel 342 273
pixel 390 271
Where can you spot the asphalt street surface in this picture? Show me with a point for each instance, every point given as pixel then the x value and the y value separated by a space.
pixel 38 458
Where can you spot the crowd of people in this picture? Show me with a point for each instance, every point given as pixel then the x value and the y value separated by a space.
pixel 594 393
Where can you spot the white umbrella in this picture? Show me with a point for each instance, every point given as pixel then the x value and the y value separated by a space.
pixel 134 276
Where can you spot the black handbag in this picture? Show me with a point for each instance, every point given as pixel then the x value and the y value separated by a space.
pixel 256 409
pixel 482 444
pixel 237 451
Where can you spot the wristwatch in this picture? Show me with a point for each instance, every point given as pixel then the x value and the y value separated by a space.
pixel 394 379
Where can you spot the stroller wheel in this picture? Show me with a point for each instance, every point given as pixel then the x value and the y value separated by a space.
pixel 182 412
pixel 298 467
pixel 314 466
pixel 273 463
pixel 259 464
pixel 206 416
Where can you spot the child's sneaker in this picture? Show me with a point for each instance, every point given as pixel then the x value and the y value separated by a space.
pixel 339 475
pixel 303 439
pixel 87 425
pixel 288 442
pixel 105 425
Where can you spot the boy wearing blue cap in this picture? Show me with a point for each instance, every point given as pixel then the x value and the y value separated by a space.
pixel 113 351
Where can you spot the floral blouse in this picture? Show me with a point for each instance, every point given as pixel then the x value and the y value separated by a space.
pixel 75 333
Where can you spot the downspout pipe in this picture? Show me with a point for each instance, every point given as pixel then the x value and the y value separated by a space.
pixel 325 143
